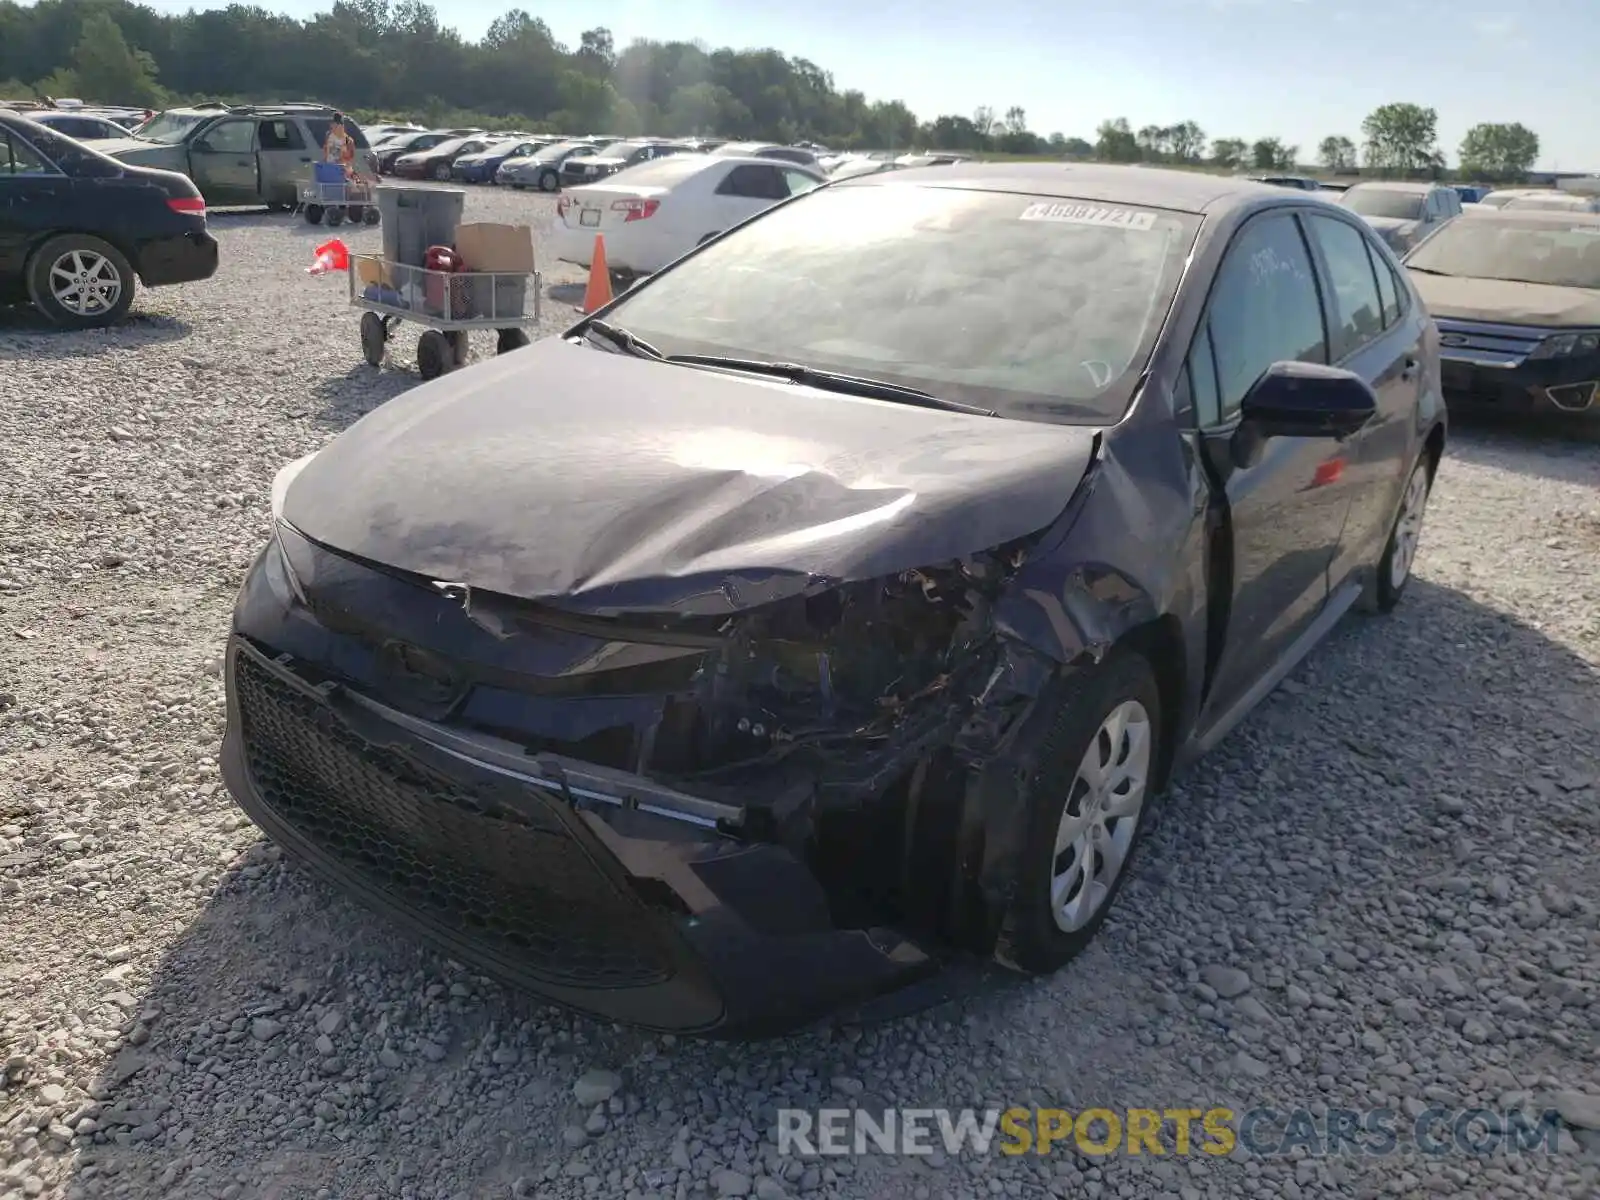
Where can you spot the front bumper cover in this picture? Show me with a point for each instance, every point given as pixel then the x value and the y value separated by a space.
pixel 1534 386
pixel 608 906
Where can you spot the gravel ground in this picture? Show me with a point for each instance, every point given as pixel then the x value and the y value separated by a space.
pixel 1381 891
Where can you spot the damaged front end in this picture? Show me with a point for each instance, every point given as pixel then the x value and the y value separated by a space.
pixel 732 821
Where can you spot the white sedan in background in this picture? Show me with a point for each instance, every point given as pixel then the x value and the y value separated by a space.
pixel 658 211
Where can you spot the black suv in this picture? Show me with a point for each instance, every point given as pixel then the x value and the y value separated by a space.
pixel 77 228
pixel 587 168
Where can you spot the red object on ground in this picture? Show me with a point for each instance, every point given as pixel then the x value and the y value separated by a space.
pixel 330 256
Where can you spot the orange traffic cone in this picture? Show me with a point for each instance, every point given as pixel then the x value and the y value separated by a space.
pixel 598 293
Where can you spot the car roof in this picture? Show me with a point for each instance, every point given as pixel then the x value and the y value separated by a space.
pixel 1397 185
pixel 1153 187
pixel 1556 218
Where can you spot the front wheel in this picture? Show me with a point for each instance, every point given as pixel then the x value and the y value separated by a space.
pixel 1086 791
pixel 548 182
pixel 1400 555
pixel 80 282
pixel 314 214
pixel 335 216
pixel 442 172
pixel 510 339
pixel 435 355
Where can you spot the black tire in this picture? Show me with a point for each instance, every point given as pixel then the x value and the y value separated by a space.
pixel 549 181
pixel 442 172
pixel 374 338
pixel 356 214
pixel 279 206
pixel 460 346
pixel 314 214
pixel 434 355
pixel 1386 591
pixel 372 216
pixel 335 216
pixel 95 279
pixel 511 339
pixel 1031 940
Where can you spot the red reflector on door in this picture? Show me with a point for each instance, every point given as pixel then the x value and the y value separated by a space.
pixel 187 204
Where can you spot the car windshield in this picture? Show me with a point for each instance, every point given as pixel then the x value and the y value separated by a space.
pixel 447 146
pixel 1039 308
pixel 1534 251
pixel 1377 202
pixel 169 127
pixel 621 149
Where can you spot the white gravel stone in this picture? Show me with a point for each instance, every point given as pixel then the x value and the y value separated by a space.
pixel 1401 844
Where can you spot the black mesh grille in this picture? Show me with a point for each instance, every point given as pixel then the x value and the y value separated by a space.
pixel 516 884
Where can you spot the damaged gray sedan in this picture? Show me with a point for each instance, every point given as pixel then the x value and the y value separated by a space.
pixel 836 603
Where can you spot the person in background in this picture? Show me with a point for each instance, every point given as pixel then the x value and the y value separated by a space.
pixel 339 147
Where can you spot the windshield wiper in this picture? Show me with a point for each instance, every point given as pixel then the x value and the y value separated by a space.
pixel 624 340
pixel 833 381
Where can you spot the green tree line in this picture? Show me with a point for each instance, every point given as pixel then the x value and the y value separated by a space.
pixel 396 59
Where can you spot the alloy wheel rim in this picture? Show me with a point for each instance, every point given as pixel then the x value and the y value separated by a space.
pixel 1408 529
pixel 85 283
pixel 1100 816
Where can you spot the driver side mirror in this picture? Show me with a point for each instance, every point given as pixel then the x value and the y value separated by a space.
pixel 1300 399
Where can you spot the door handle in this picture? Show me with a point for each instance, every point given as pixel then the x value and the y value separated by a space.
pixel 1409 371
pixel 245 162
pixel 305 158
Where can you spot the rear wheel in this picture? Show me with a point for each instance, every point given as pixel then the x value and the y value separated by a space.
pixel 511 339
pixel 1400 554
pixel 442 172
pixel 357 214
pixel 372 217
pixel 80 282
pixel 548 182
pixel 1086 792
pixel 335 216
pixel 314 214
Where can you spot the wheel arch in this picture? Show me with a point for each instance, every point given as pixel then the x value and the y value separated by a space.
pixel 122 247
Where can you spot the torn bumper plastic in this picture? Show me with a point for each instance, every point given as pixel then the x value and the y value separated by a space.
pixel 595 889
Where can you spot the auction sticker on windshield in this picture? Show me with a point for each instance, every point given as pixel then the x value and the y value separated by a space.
pixel 1090 214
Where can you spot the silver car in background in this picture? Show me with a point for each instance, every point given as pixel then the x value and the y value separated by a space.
pixel 1402 213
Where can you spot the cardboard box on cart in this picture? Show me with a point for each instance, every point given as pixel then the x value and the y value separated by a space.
pixel 488 246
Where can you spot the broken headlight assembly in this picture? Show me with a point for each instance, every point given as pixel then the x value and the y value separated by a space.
pixel 839 676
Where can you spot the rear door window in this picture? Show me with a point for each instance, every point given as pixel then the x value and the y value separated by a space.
pixel 1356 313
pixel 280 135
pixel 754 183
pixel 19 158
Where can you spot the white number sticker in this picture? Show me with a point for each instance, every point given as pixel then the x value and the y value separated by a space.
pixel 1090 214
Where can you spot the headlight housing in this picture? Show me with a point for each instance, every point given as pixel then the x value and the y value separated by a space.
pixel 1568 345
pixel 279 573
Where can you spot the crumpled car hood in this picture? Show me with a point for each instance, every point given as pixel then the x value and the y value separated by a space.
pixel 603 483
pixel 1507 302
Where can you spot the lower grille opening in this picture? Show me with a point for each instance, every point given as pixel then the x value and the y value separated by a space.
pixel 515 883
pixel 1572 397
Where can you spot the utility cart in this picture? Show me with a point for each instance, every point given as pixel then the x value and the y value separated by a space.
pixel 328 196
pixel 448 304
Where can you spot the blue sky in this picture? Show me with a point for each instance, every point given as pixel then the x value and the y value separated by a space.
pixel 1297 69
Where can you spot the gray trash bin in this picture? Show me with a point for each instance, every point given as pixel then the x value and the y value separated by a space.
pixel 416 218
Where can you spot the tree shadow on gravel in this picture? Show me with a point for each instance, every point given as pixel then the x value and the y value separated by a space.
pixel 26 333
pixel 291 1041
pixel 1567 450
